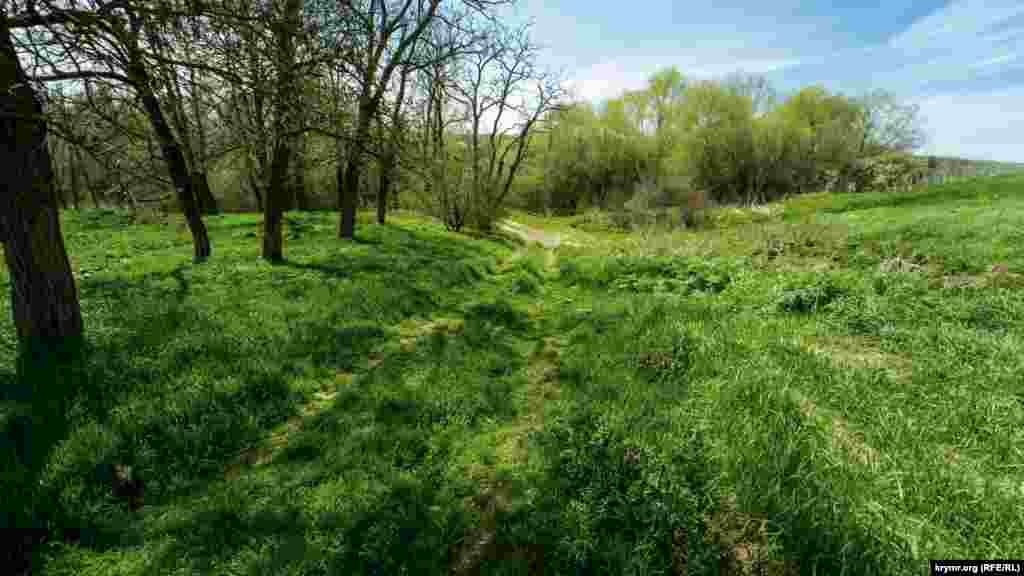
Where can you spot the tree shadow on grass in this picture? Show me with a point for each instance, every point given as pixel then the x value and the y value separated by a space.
pixel 368 485
pixel 165 388
pixel 68 419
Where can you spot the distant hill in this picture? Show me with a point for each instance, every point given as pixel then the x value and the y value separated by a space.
pixel 941 168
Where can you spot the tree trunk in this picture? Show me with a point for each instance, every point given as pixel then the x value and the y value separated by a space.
pixel 254 179
pixel 207 202
pixel 73 168
pixel 348 190
pixel 92 190
pixel 273 242
pixel 203 194
pixel 387 167
pixel 298 161
pixel 60 181
pixel 172 154
pixel 44 299
pixel 350 195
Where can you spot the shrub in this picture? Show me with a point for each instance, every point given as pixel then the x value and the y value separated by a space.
pixel 811 296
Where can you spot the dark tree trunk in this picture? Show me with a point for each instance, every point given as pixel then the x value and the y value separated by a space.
pixel 73 167
pixel 349 195
pixel 203 194
pixel 280 188
pixel 348 190
pixel 179 174
pixel 298 162
pixel 273 242
pixel 44 299
pixel 387 166
pixel 171 151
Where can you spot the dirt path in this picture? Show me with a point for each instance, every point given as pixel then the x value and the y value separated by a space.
pixel 549 240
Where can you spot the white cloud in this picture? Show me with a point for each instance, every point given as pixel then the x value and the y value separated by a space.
pixel 610 79
pixel 984 126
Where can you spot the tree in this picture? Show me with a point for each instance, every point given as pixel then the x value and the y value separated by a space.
pixel 719 135
pixel 391 137
pixel 666 90
pixel 501 85
pixel 44 299
pixel 285 31
pixel 170 40
pixel 377 56
pixel 887 125
pixel 382 35
pixel 828 128
pixel 754 86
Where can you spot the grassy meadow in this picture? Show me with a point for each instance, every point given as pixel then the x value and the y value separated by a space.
pixel 833 384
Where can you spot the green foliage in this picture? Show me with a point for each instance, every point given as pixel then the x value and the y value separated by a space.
pixel 630 274
pixel 728 140
pixel 809 295
pixel 630 509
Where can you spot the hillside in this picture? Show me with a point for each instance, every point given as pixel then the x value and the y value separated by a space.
pixel 824 384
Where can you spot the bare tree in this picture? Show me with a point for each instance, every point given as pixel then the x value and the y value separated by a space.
pixel 504 94
pixel 889 125
pixel 385 33
pixel 392 133
pixel 171 40
pixel 763 96
pixel 44 299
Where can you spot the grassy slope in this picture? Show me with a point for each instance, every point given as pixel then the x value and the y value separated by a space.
pixel 829 384
pixel 858 377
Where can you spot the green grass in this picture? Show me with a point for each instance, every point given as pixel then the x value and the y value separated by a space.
pixel 829 385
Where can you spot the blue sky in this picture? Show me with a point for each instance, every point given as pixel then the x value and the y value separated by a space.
pixel 961 61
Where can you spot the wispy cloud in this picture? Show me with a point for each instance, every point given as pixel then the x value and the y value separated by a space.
pixel 965 35
pixel 966 45
pixel 963 20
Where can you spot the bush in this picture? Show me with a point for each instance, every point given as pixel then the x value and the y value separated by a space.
pixel 810 296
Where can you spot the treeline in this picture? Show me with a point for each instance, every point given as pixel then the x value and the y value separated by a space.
pixel 734 140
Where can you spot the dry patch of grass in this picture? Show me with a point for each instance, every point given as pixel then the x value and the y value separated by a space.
pixel 998 277
pixel 852 352
pixel 745 542
pixel 413 330
pixel 850 442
